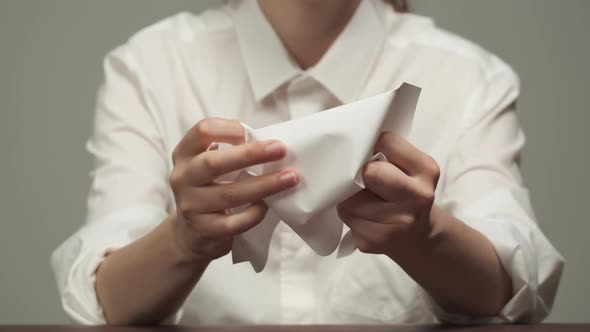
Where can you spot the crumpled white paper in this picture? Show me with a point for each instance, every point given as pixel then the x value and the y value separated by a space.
pixel 328 150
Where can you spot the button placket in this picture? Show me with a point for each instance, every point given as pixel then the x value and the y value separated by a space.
pixel 303 96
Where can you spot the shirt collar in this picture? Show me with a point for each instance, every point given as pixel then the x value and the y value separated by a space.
pixel 343 69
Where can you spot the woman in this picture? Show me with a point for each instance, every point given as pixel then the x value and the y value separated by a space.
pixel 445 229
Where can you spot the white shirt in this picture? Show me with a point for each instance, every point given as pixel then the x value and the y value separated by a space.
pixel 229 63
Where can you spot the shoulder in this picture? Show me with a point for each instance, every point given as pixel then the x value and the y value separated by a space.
pixel 172 37
pixel 469 76
pixel 421 36
pixel 185 27
pixel 465 51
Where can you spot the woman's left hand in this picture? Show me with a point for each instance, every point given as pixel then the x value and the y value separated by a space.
pixel 392 213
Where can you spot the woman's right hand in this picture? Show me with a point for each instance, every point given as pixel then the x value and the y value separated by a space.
pixel 203 227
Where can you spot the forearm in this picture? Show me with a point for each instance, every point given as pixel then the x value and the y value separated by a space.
pixel 457 266
pixel 148 280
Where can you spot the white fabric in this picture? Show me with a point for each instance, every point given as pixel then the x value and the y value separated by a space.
pixel 341 140
pixel 229 63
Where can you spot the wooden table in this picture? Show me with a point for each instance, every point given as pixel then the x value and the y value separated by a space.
pixel 342 328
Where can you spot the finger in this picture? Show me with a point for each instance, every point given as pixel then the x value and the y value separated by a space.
pixel 229 195
pixel 389 182
pixel 369 206
pixel 206 131
pixel 366 233
pixel 218 225
pixel 406 156
pixel 207 166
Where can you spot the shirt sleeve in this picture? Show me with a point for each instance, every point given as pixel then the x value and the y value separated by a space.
pixel 483 187
pixel 129 193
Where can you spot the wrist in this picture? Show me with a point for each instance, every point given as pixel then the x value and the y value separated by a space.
pixel 423 239
pixel 181 238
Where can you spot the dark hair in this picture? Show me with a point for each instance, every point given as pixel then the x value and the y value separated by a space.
pixel 399 5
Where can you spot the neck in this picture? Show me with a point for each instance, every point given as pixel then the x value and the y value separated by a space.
pixel 307 28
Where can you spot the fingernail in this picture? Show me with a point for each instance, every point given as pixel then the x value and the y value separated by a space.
pixel 275 147
pixel 289 178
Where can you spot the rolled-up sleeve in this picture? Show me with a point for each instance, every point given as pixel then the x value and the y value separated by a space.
pixel 483 187
pixel 129 193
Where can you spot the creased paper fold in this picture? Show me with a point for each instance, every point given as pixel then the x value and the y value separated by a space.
pixel 328 150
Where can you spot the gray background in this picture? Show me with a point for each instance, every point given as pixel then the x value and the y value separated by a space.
pixel 50 58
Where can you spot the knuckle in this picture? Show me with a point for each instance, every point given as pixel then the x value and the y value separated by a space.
pixel 210 164
pixel 381 142
pixel 203 128
pixel 425 195
pixel 175 179
pixel 343 212
pixel 184 208
pixel 364 246
pixel 431 167
pixel 372 172
pixel 237 223
pixel 228 225
pixel 259 214
pixel 245 223
pixel 385 139
pixel 175 155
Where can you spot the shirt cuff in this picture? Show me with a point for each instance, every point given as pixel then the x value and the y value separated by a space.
pixel 75 263
pixel 533 264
